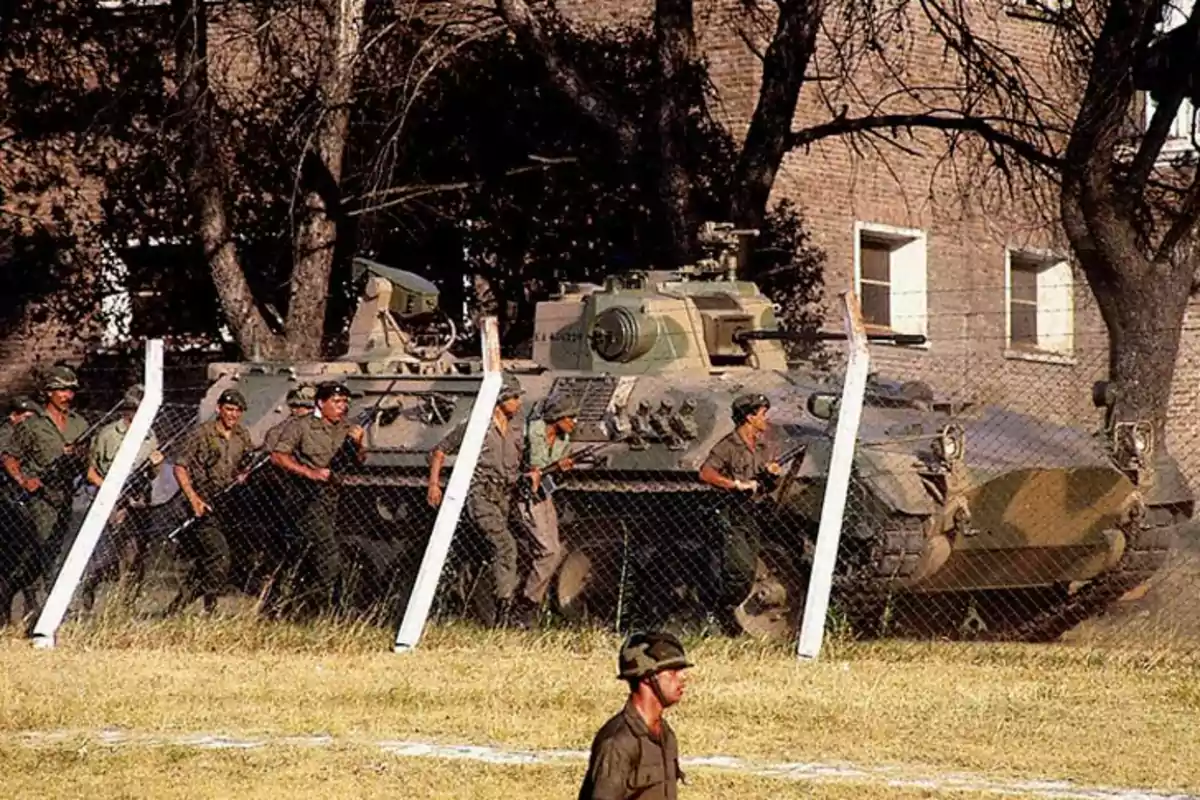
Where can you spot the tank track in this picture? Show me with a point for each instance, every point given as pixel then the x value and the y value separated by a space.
pixel 862 593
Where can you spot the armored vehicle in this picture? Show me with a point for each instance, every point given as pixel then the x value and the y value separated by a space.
pixel 1006 525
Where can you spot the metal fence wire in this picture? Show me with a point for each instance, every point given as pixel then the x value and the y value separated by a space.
pixel 689 501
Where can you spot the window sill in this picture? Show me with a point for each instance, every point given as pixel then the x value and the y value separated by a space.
pixel 1041 357
pixel 893 345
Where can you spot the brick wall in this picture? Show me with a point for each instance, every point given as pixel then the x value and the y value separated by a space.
pixel 968 219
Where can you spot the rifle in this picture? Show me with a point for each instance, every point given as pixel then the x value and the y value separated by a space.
pixel 547 485
pixel 55 474
pixel 260 459
pixel 768 482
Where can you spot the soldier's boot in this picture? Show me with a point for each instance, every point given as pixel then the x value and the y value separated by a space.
pixel 210 604
pixel 523 614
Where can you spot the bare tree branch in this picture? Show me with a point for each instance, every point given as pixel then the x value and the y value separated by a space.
pixel 591 101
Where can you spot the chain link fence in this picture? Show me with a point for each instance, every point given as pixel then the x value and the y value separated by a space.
pixel 988 501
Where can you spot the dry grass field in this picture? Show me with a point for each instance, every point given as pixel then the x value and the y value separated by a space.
pixel 904 712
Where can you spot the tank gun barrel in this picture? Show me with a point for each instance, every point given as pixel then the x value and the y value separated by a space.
pixel 826 336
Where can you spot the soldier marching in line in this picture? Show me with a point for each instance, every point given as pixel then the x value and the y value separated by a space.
pixel 735 464
pixel 636 754
pixel 41 459
pixel 279 530
pixel 120 550
pixel 306 448
pixel 15 526
pixel 548 438
pixel 210 461
pixel 490 499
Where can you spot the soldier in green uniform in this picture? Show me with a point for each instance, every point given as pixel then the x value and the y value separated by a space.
pixel 16 543
pixel 278 526
pixel 548 438
pixel 300 403
pixel 209 462
pixel 490 500
pixel 119 551
pixel 306 449
pixel 636 754
pixel 41 459
pixel 734 464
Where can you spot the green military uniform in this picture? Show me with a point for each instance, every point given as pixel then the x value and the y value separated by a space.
pixel 733 458
pixel 19 551
pixel 627 759
pixel 40 447
pixel 213 462
pixel 539 514
pixel 117 548
pixel 490 500
pixel 314 442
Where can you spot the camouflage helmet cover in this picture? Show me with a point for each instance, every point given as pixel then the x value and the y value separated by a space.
pixel 133 396
pixel 232 397
pixel 59 377
pixel 510 387
pixel 645 654
pixel 303 395
pixel 560 407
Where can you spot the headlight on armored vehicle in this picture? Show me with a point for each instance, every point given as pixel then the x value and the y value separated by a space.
pixel 950 444
pixel 823 406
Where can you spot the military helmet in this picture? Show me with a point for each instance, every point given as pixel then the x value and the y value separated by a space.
pixel 232 397
pixel 133 396
pixel 20 404
pixel 745 405
pixel 646 654
pixel 559 407
pixel 302 396
pixel 59 377
pixel 510 387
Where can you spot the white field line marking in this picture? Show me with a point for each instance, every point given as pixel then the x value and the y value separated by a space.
pixel 826 772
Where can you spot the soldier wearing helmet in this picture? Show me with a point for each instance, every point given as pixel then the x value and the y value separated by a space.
pixel 490 499
pixel 547 440
pixel 300 401
pixel 636 754
pixel 305 450
pixel 14 524
pixel 210 461
pixel 733 465
pixel 41 459
pixel 120 549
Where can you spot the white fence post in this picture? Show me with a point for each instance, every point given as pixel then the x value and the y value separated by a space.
pixel 837 482
pixel 102 506
pixel 421 598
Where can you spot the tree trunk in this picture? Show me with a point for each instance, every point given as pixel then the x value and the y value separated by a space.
pixel 322 175
pixel 203 176
pixel 1143 311
pixel 767 139
pixel 676 46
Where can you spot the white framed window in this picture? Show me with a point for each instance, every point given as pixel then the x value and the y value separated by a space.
pixel 1039 301
pixel 890 277
pixel 1185 128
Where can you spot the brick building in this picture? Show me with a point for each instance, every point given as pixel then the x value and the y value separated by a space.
pixel 987 279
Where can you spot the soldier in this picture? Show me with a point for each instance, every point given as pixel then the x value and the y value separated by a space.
pixel 490 499
pixel 15 541
pixel 735 464
pixel 548 439
pixel 279 533
pixel 635 754
pixel 41 460
pixel 209 462
pixel 300 404
pixel 120 550
pixel 306 449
